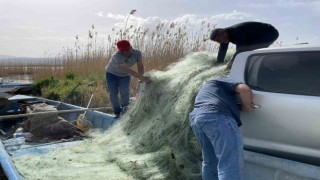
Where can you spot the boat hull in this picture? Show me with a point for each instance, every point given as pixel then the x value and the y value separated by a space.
pixel 17 147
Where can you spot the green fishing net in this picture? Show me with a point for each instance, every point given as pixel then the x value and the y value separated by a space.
pixel 151 141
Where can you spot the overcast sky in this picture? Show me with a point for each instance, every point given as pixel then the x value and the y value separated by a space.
pixel 29 28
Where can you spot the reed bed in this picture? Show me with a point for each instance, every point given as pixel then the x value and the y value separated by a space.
pixel 161 46
pixel 165 44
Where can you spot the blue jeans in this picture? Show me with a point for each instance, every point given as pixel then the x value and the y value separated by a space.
pixel 115 85
pixel 221 143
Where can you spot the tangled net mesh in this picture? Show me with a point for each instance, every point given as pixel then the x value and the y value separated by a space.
pixel 152 141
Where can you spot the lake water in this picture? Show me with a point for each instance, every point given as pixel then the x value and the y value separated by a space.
pixel 19 78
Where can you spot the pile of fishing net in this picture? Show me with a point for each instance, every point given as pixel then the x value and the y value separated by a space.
pixel 159 123
pixel 151 141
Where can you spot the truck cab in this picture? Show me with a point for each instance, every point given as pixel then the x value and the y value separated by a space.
pixel 286 91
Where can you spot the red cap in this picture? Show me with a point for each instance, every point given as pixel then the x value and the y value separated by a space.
pixel 123 45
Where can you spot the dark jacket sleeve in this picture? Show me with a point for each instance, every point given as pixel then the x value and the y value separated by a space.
pixel 222 52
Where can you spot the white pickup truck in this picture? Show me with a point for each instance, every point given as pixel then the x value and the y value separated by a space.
pixel 282 135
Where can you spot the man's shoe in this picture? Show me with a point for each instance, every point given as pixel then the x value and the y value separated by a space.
pixel 116 115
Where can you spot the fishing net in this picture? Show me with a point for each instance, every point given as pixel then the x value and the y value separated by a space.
pixel 152 141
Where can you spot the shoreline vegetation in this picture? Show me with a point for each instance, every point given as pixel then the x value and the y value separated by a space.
pixel 57 74
pixel 85 62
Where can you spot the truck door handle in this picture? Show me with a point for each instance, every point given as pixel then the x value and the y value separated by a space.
pixel 256 106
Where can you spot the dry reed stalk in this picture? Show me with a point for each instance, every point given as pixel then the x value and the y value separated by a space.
pixel 166 44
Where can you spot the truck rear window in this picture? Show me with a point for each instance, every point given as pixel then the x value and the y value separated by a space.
pixel 290 73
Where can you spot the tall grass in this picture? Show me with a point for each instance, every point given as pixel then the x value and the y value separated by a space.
pixel 161 46
pixel 164 44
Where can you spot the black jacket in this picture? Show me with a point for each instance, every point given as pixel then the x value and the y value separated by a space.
pixel 248 36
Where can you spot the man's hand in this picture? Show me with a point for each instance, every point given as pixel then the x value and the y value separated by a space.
pixel 145 79
pixel 245 94
pixel 127 69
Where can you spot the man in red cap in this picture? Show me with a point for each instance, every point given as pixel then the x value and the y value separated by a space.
pixel 118 73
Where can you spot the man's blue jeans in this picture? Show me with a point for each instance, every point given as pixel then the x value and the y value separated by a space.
pixel 221 143
pixel 115 85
